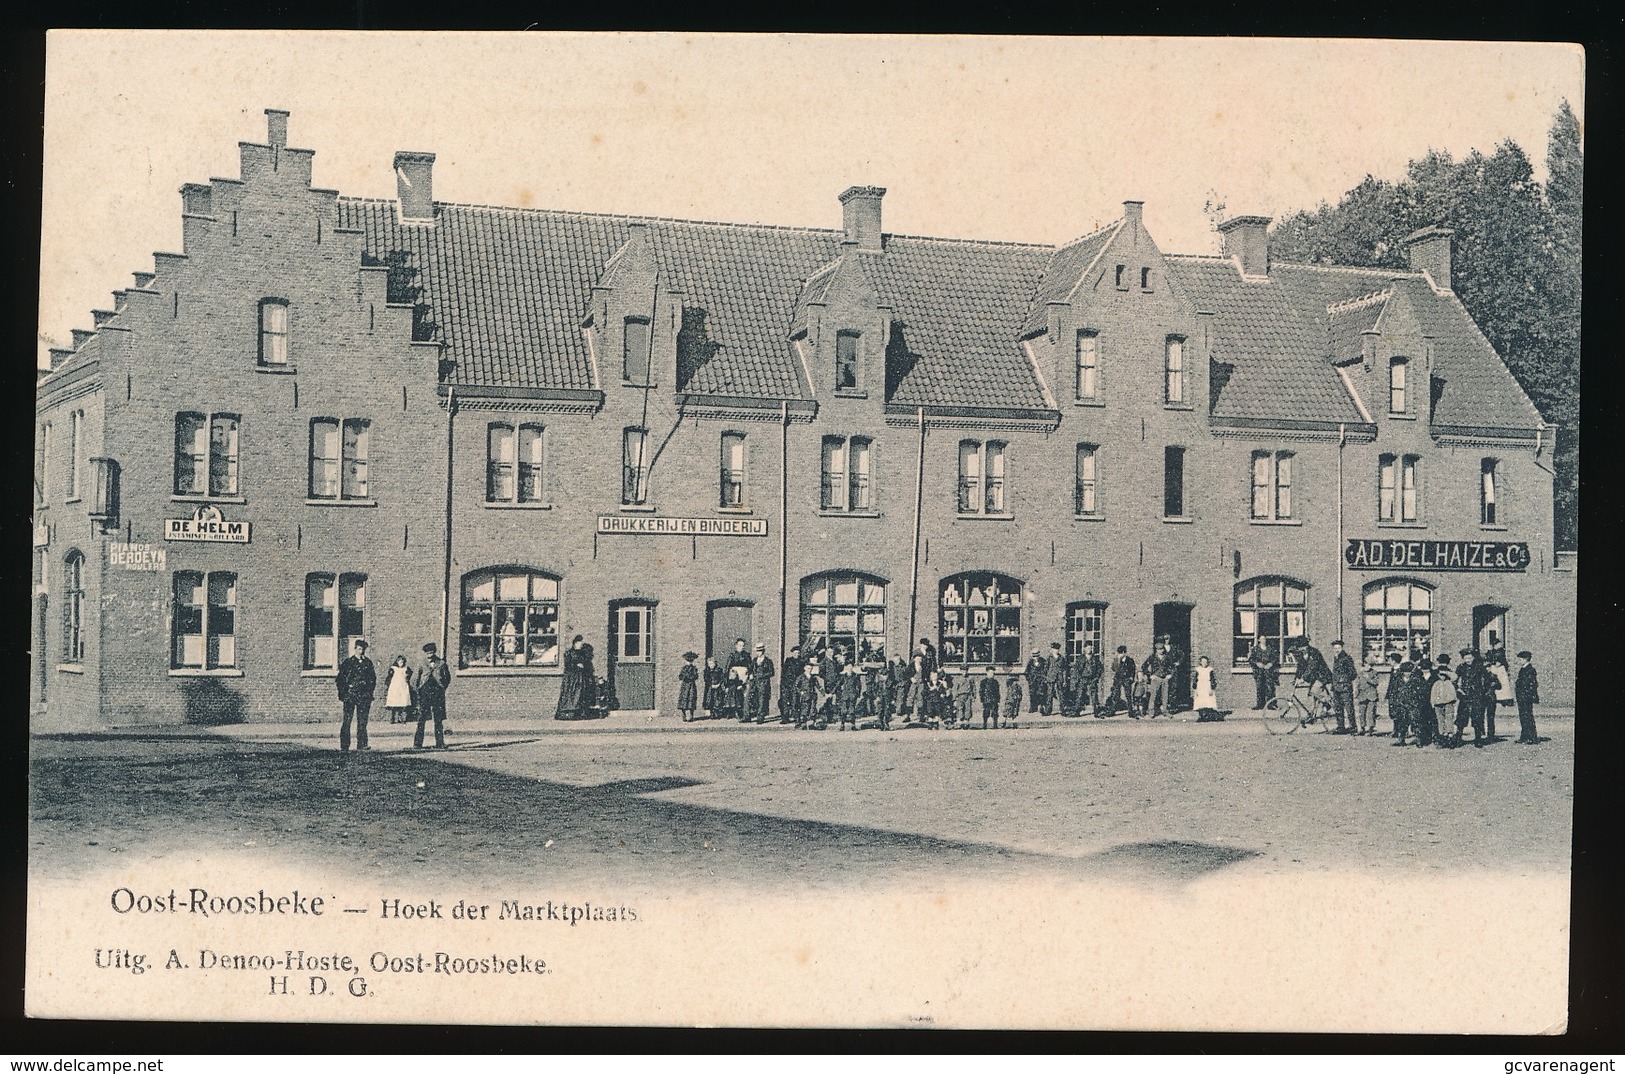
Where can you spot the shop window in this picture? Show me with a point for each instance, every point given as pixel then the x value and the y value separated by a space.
pixel 338 458
pixel 847 474
pixel 635 466
pixel 636 340
pixel 1397 617
pixel 982 477
pixel 206 455
pixel 513 463
pixel 203 621
pixel 979 620
pixel 1085 624
pixel 273 332
pixel 335 616
pixel 1490 510
pixel 1397 370
pixel 510 619
pixel 1174 371
pixel 847 611
pixel 73 608
pixel 1271 612
pixel 846 361
pixel 1086 378
pixel 731 480
pixel 1086 486
pixel 1272 485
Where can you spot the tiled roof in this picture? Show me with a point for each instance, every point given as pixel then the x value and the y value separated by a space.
pixel 1347 322
pixel 1478 389
pixel 1064 272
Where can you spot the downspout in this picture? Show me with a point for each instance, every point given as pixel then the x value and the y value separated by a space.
pixel 1341 437
pixel 784 521
pixel 445 588
pixel 914 573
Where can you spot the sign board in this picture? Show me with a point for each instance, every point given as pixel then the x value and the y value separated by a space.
pixel 205 525
pixel 136 557
pixel 42 535
pixel 1389 553
pixel 667 526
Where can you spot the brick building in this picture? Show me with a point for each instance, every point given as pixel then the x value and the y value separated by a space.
pixel 496 428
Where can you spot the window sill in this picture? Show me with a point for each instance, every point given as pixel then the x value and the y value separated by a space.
pixel 341 503
pixel 1004 516
pixel 1178 406
pixel 1096 403
pixel 850 393
pixel 1402 525
pixel 1089 516
pixel 1493 529
pixel 647 508
pixel 276 370
pixel 1275 521
pixel 319 673
pixel 1178 520
pixel 197 498
pixel 74 499
pixel 635 384
pixel 835 512
pixel 71 669
pixel 517 505
pixel 735 511
pixel 1400 417
pixel 521 672
pixel 205 673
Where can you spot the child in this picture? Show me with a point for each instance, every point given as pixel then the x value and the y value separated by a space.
pixel 1442 696
pixel 1141 700
pixel 1365 698
pixel 1204 692
pixel 810 715
pixel 988 694
pixel 714 686
pixel 847 693
pixel 687 691
pixel 398 691
pixel 1012 700
pixel 1527 693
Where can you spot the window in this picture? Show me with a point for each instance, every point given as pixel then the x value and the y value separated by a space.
pixel 1118 278
pixel 1270 612
pixel 510 619
pixel 75 422
pixel 1085 625
pixel 848 611
pixel 73 608
pixel 273 332
pixel 1272 484
pixel 1397 488
pixel 1145 279
pixel 979 620
pixel 846 361
pixel 1173 482
pixel 1086 493
pixel 1396 385
pixel 203 621
pixel 206 454
pixel 335 610
pixel 1174 368
pixel 636 339
pixel 513 463
pixel 635 466
pixel 732 481
pixel 847 480
pixel 338 458
pixel 1398 617
pixel 1490 512
pixel 1086 384
pixel 981 477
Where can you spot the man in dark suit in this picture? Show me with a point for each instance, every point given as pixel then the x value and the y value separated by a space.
pixel 1056 668
pixel 1475 689
pixel 758 685
pixel 1123 671
pixel 357 681
pixel 1527 693
pixel 1035 681
pixel 1343 675
pixel 1159 667
pixel 793 666
pixel 1087 669
pixel 429 682
pixel 1266 667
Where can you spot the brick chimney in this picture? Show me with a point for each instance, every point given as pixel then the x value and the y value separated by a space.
pixel 1133 211
pixel 1246 238
pixel 860 215
pixel 276 127
pixel 414 184
pixel 1429 252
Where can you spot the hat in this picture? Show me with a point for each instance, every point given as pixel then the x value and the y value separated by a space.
pixel 1525 654
pixel 1122 648
pixel 760 647
pixel 691 655
pixel 1054 645
pixel 429 647
pixel 1338 642
pixel 795 648
pixel 1466 652
pixel 360 643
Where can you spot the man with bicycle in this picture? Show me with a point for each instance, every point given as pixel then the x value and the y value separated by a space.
pixel 1312 670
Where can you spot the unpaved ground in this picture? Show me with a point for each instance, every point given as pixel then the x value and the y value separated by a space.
pixel 775 809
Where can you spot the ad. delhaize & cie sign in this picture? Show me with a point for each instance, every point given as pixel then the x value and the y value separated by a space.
pixel 1395 554
pixel 205 525
pixel 667 526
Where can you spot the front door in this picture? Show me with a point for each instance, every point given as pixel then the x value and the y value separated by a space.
pixel 1489 627
pixel 1173 621
pixel 726 621
pixel 632 654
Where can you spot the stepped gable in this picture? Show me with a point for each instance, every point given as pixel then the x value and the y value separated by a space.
pixel 1065 270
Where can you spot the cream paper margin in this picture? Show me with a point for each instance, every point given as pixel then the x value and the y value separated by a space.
pixel 1242 950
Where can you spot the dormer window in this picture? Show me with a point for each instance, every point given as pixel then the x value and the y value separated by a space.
pixel 635 343
pixel 1174 368
pixel 1086 381
pixel 1118 278
pixel 846 361
pixel 1396 385
pixel 273 332
pixel 1145 279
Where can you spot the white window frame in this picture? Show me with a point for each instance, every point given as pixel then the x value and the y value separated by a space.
pixel 348 472
pixel 213 657
pixel 984 478
pixel 1086 367
pixel 339 640
pixel 1086 481
pixel 275 333
pixel 1272 476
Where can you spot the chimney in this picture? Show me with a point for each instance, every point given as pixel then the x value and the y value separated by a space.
pixel 1132 212
pixel 414 184
pixel 276 127
pixel 860 215
pixel 1246 238
pixel 1429 252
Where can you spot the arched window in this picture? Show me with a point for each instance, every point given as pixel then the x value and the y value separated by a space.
pixel 510 619
pixel 1269 612
pixel 979 620
pixel 846 609
pixel 73 608
pixel 1397 617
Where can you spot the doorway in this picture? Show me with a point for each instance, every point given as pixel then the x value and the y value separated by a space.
pixel 1490 627
pixel 725 621
pixel 632 654
pixel 1172 619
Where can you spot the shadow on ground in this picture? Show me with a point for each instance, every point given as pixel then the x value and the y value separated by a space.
pixel 405 817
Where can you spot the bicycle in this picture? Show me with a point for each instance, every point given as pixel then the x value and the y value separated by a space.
pixel 1304 707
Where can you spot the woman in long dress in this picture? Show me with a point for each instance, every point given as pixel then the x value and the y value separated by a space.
pixel 576 692
pixel 1205 700
pixel 398 691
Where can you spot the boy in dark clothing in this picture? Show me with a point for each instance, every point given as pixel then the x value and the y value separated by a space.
pixel 1526 691
pixel 1012 700
pixel 847 692
pixel 988 690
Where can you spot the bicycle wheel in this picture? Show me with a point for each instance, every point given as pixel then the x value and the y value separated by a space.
pixel 1281 716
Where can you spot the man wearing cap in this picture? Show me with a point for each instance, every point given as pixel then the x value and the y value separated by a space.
pixel 1343 675
pixel 1475 689
pixel 1056 669
pixel 429 682
pixel 357 681
pixel 1527 692
pixel 794 664
pixel 759 685
pixel 1035 681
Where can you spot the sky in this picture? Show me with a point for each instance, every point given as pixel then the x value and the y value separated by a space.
pixel 1019 139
